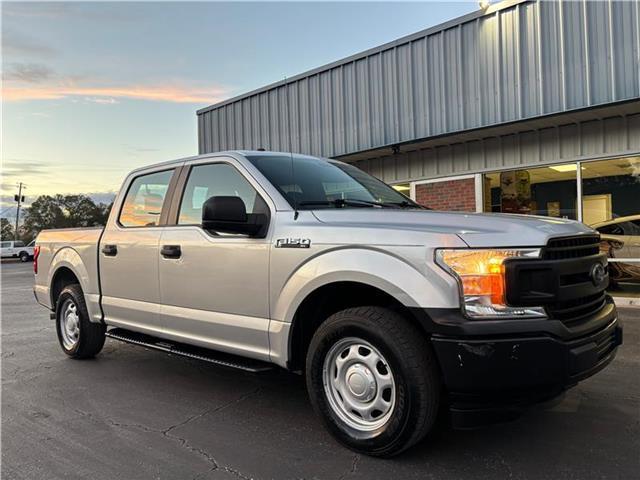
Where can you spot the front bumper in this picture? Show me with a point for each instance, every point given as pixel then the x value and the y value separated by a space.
pixel 516 363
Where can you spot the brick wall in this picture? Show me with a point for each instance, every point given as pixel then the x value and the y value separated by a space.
pixel 456 195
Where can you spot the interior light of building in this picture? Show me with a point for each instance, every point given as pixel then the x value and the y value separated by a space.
pixel 571 167
pixel 402 188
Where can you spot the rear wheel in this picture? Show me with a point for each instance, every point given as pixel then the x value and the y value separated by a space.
pixel 78 337
pixel 373 380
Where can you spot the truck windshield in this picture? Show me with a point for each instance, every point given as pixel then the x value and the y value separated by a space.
pixel 312 183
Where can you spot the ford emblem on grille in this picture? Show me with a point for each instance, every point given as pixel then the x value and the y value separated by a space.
pixel 597 274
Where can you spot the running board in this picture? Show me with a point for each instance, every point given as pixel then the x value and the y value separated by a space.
pixel 190 351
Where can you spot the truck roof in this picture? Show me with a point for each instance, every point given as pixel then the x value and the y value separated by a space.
pixel 243 153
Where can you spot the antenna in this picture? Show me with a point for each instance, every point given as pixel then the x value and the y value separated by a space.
pixel 293 177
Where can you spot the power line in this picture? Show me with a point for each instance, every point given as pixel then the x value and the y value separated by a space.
pixel 5 210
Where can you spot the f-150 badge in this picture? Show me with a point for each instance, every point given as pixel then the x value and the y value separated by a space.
pixel 293 243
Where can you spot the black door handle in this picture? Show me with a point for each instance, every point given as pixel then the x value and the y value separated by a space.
pixel 171 251
pixel 110 250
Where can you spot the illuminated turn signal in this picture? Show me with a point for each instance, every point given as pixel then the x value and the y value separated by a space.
pixel 481 275
pixel 481 272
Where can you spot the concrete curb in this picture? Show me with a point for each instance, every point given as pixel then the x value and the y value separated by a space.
pixel 627 301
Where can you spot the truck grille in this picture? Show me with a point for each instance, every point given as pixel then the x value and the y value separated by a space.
pixel 571 247
pixel 573 310
pixel 561 280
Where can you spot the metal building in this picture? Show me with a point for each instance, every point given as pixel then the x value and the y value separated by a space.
pixel 525 107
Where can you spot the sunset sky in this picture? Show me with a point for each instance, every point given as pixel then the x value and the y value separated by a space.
pixel 93 90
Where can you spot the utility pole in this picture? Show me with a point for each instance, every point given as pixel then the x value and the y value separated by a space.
pixel 18 198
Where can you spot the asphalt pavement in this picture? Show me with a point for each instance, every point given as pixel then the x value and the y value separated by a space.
pixel 133 413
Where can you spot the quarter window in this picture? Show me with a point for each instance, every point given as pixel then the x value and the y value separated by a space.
pixel 212 180
pixel 143 203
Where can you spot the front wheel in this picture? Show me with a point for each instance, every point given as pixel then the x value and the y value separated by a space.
pixel 24 257
pixel 373 379
pixel 78 336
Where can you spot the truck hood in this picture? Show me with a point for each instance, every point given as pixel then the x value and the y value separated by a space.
pixel 475 229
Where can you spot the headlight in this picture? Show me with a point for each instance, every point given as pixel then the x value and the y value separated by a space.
pixel 481 276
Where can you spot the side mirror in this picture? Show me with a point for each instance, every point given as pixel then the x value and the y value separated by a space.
pixel 229 215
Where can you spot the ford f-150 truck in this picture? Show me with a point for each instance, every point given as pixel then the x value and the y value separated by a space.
pixel 393 312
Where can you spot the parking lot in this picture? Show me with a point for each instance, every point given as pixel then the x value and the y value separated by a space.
pixel 134 413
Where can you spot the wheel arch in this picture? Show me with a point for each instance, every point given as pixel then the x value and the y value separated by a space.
pixel 410 285
pixel 389 278
pixel 62 277
pixel 331 298
pixel 67 267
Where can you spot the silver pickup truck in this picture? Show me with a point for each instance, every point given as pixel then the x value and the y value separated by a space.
pixel 391 311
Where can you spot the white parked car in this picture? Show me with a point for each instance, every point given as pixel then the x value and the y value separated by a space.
pixel 620 239
pixel 17 249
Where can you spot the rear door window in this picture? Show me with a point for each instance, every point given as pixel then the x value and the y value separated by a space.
pixel 143 204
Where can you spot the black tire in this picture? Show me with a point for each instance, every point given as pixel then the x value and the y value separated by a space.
pixel 90 337
pixel 24 257
pixel 412 363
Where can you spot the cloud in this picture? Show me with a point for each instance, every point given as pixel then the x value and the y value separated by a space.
pixel 20 170
pixel 159 93
pixel 8 187
pixel 31 9
pixel 103 101
pixel 37 81
pixel 19 45
pixel 27 72
pixel 55 11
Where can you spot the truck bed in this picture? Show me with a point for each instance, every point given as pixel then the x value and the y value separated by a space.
pixel 76 248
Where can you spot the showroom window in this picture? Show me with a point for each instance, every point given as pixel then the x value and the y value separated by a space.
pixel 609 201
pixel 549 191
pixel 611 205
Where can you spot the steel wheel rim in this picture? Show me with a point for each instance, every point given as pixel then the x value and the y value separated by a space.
pixel 69 324
pixel 359 384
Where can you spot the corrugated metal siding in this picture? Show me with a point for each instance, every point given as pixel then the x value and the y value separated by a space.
pixel 607 137
pixel 524 60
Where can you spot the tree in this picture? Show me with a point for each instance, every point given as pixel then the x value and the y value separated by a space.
pixel 45 212
pixel 103 213
pixel 64 211
pixel 80 210
pixel 7 229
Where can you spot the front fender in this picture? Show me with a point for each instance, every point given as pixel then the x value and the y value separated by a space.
pixel 422 285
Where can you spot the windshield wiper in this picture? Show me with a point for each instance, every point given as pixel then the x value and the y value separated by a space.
pixel 407 204
pixel 343 202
